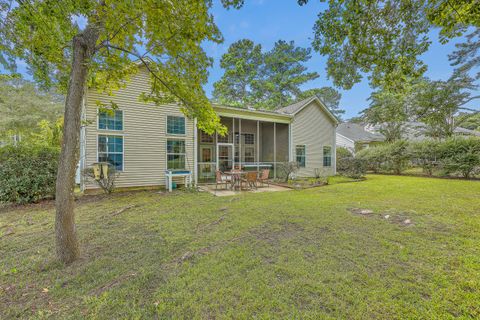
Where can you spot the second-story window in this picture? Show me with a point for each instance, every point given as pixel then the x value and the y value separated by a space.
pixel 110 120
pixel 175 125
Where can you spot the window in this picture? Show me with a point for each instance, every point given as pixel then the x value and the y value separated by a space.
pixel 176 154
pixel 327 156
pixel 110 120
pixel 249 154
pixel 175 125
pixel 206 138
pixel 249 138
pixel 110 149
pixel 301 157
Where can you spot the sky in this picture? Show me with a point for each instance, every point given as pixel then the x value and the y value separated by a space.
pixel 266 21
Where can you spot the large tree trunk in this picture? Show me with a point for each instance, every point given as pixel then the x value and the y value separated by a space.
pixel 66 239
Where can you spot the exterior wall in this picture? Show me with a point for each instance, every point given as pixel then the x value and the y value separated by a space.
pixel 313 128
pixel 144 134
pixel 345 143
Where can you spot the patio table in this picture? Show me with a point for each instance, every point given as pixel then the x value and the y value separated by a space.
pixel 236 179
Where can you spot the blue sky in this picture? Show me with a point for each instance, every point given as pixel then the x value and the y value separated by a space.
pixel 266 21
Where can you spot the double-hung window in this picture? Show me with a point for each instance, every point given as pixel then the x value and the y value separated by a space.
pixel 300 154
pixel 110 149
pixel 110 120
pixel 176 154
pixel 327 156
pixel 175 125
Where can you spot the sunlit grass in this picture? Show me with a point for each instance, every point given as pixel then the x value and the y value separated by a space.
pixel 266 255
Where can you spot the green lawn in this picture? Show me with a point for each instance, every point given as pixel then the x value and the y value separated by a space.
pixel 295 254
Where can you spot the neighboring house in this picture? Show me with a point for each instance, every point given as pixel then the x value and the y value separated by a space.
pixel 355 137
pixel 143 140
pixel 416 131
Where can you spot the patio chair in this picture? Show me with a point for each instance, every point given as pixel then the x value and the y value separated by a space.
pixel 220 179
pixel 263 177
pixel 250 179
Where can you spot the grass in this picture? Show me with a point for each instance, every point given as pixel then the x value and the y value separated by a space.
pixel 295 254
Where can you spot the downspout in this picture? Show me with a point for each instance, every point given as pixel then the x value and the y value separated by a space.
pixel 195 152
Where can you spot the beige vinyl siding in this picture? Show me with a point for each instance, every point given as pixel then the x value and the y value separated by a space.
pixel 313 128
pixel 144 134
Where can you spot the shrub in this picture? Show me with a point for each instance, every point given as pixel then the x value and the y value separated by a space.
pixel 461 155
pixel 397 157
pixel 353 167
pixel 286 169
pixel 426 154
pixel 106 182
pixel 27 173
pixel 373 158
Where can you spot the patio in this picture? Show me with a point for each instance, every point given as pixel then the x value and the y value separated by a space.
pixel 222 192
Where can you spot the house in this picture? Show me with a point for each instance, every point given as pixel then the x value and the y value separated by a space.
pixel 354 137
pixel 143 140
pixel 417 131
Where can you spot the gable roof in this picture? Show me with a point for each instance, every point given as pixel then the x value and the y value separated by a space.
pixel 356 132
pixel 298 106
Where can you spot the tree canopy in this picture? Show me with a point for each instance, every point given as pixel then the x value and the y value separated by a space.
pixel 382 39
pixel 171 33
pixel 241 64
pixel 23 106
pixel 270 79
pixel 436 103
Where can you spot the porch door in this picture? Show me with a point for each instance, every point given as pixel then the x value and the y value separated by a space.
pixel 225 156
pixel 207 162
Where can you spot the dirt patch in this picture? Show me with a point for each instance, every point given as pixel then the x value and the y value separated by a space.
pixel 399 218
pixel 361 212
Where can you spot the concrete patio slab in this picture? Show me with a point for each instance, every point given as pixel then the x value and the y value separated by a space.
pixel 221 192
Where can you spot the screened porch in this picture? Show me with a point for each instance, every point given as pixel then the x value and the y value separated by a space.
pixel 249 145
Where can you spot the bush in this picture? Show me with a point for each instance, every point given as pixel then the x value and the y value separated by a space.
pixel 461 155
pixel 373 158
pixel 286 169
pixel 105 182
pixel 397 157
pixel 426 154
pixel 27 173
pixel 353 167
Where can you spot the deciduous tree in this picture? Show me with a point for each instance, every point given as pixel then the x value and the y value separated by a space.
pixel 437 103
pixel 382 39
pixel 62 51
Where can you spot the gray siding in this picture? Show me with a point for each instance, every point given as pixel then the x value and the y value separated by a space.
pixel 144 132
pixel 345 143
pixel 313 128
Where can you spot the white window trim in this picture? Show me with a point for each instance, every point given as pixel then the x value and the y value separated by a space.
pixel 123 147
pixel 167 153
pixel 111 130
pixel 305 155
pixel 175 134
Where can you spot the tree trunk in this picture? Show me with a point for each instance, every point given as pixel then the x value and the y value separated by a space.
pixel 65 232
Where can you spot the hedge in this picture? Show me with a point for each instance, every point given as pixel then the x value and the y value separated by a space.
pixel 457 156
pixel 27 173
